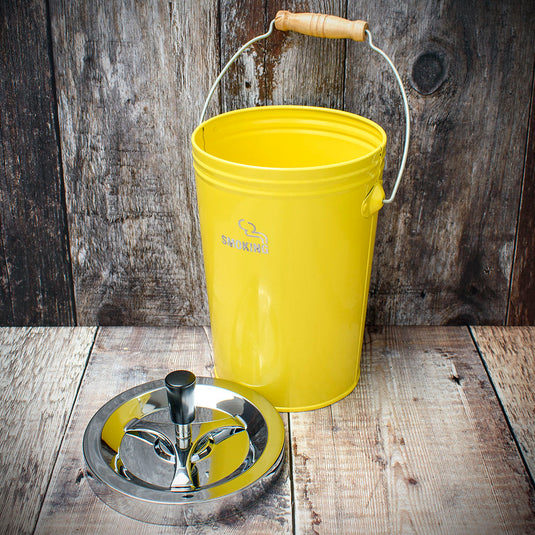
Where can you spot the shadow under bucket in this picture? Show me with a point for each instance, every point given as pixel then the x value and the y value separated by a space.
pixel 288 199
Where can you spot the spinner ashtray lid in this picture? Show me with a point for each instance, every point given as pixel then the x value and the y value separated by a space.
pixel 183 450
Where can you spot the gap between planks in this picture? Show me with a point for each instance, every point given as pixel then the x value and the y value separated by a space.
pixel 74 400
pixel 508 354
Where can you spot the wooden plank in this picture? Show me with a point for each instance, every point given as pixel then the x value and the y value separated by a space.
pixel 444 249
pixel 40 371
pixel 521 309
pixel 305 70
pixel 509 355
pixel 245 83
pixel 287 68
pixel 123 358
pixel 131 79
pixel 35 272
pixel 421 445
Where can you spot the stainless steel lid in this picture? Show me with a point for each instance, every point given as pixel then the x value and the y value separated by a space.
pixel 183 450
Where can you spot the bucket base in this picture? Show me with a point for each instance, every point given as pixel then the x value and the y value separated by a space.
pixel 309 407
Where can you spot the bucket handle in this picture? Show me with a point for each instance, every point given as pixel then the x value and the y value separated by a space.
pixel 332 27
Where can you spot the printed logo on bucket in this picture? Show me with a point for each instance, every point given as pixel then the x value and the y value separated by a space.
pixel 258 243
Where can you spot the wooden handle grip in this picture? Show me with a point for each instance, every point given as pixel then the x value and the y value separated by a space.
pixel 320 25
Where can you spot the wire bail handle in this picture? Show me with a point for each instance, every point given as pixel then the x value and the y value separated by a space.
pixel 331 27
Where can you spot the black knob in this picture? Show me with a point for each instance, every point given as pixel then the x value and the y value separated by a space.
pixel 180 386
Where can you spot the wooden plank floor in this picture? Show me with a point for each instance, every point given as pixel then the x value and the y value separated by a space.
pixel 426 443
pixel 40 371
pixel 123 358
pixel 421 446
pixel 509 355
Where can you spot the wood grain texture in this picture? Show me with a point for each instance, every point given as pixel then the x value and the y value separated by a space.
pixel 287 68
pixel 131 80
pixel 123 358
pixel 306 70
pixel 420 446
pixel 245 85
pixel 509 355
pixel 35 272
pixel 521 310
pixel 40 371
pixel 444 248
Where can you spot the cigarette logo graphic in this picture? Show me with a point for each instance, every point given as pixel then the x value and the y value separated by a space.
pixel 250 230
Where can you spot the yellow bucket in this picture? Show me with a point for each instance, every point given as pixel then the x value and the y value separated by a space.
pixel 288 199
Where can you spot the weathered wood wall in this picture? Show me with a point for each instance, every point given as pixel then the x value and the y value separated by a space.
pixel 97 209
pixel 36 287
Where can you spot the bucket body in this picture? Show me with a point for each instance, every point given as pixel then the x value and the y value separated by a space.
pixel 288 199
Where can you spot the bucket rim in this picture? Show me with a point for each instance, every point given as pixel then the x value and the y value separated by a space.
pixel 318 168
